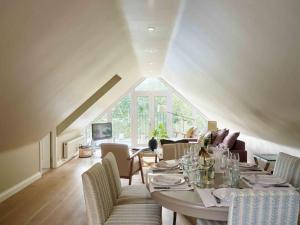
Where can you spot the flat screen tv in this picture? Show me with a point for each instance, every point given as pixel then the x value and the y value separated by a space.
pixel 101 131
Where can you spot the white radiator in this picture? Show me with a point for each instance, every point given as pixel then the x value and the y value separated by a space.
pixel 70 148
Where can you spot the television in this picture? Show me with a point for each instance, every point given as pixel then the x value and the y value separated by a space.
pixel 101 131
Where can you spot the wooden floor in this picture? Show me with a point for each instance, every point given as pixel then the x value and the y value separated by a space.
pixel 55 199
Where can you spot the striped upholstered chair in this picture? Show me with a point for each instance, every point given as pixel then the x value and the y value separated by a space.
pixel 101 209
pixel 174 151
pixel 265 207
pixel 127 194
pixel 288 167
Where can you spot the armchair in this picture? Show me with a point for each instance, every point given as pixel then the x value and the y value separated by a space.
pixel 128 164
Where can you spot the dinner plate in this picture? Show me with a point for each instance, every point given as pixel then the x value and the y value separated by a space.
pixel 167 164
pixel 223 193
pixel 166 180
pixel 247 165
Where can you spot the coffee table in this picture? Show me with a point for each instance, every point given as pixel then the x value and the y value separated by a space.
pixel 268 159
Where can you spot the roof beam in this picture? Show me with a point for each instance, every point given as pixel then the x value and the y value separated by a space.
pixel 87 104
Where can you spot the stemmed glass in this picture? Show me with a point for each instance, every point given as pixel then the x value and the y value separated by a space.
pixel 223 166
pixel 207 163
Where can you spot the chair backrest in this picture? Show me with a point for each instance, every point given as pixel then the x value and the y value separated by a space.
pixel 111 168
pixel 121 153
pixel 288 167
pixel 174 151
pixel 267 207
pixel 99 203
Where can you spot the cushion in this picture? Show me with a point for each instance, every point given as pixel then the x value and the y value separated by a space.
pixel 230 139
pixel 221 134
pixel 190 132
pixel 166 141
pixel 135 194
pixel 135 214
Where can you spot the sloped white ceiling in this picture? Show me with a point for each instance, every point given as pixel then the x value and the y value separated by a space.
pixel 239 62
pixel 53 56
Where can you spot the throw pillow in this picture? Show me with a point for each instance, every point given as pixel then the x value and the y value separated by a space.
pixel 166 141
pixel 189 132
pixel 230 139
pixel 221 134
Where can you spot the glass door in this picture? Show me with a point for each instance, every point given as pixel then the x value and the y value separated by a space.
pixel 143 125
pixel 151 111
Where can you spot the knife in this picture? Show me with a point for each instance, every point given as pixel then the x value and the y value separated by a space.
pixel 161 187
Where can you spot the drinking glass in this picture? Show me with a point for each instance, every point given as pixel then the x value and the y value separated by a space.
pixel 207 163
pixel 235 159
pixel 223 166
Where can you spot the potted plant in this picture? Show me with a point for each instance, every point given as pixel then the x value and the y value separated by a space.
pixel 157 134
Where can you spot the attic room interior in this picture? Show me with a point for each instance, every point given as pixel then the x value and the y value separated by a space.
pixel 149 112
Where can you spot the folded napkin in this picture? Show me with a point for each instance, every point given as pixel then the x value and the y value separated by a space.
pixel 159 183
pixel 167 164
pixel 266 181
pixel 209 199
pixel 167 179
pixel 250 172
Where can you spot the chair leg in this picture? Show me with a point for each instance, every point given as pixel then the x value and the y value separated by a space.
pixel 174 218
pixel 141 168
pixel 130 171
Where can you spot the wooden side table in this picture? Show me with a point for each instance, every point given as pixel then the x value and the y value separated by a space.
pixel 268 159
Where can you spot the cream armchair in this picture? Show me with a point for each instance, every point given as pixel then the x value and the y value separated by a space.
pixel 128 164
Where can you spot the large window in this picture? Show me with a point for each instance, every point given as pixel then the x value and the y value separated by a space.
pixel 121 120
pixel 185 116
pixel 150 105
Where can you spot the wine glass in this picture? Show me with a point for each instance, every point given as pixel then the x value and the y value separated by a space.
pixel 223 167
pixel 206 163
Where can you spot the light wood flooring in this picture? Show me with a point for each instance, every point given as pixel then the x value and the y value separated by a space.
pixel 55 199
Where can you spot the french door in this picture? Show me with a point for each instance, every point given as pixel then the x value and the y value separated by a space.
pixel 150 109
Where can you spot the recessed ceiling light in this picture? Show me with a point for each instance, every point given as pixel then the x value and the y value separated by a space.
pixel 150 50
pixel 151 29
pixel 150 63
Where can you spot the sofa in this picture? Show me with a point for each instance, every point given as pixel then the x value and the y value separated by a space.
pixel 239 147
pixel 222 137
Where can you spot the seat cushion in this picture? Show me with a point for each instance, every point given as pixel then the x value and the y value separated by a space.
pixel 139 214
pixel 210 222
pixel 135 194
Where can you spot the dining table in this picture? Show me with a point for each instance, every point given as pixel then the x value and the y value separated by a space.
pixel 189 203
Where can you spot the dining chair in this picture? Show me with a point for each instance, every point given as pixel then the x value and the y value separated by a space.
pixel 174 151
pixel 288 168
pixel 126 194
pixel 261 207
pixel 101 209
pixel 128 164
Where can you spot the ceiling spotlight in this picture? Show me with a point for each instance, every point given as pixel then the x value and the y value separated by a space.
pixel 150 29
pixel 150 63
pixel 151 50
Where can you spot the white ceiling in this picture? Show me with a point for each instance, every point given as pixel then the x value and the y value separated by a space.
pixel 150 46
pixel 238 61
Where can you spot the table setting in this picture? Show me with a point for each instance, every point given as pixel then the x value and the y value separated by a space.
pixel 212 174
pixel 168 182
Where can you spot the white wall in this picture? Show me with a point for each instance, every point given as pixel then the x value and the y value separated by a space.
pixel 17 166
pixel 257 145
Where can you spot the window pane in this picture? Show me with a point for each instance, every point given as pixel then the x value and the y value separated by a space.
pixel 160 117
pixel 143 119
pixel 151 84
pixel 121 121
